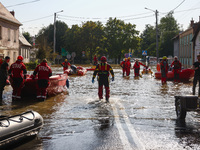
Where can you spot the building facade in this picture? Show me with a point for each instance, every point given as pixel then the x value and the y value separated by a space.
pixel 24 48
pixel 196 42
pixel 184 48
pixel 9 34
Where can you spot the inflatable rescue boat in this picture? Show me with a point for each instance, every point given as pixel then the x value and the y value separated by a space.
pixel 79 71
pixel 184 75
pixel 18 128
pixel 57 84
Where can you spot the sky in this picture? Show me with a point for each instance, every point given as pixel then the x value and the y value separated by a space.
pixel 37 14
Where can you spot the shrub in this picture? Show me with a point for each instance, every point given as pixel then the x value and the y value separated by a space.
pixel 31 65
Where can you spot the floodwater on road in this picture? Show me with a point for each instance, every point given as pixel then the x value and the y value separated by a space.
pixel 141 115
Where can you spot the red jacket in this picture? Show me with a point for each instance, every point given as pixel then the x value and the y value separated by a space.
pixel 95 59
pixel 122 64
pixel 176 64
pixel 18 69
pixel 137 66
pixel 65 65
pixel 128 64
pixel 43 70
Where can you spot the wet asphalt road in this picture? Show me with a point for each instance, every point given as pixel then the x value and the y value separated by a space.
pixel 141 115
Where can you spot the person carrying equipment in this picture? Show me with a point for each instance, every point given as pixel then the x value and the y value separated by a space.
pixel 103 70
pixel 176 68
pixel 18 75
pixel 3 75
pixel 128 66
pixel 65 65
pixel 136 68
pixel 164 69
pixel 44 72
pixel 122 64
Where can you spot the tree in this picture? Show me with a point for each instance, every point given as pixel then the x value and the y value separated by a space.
pixel 168 28
pixel 148 41
pixel 28 37
pixel 92 37
pixel 120 37
pixel 45 39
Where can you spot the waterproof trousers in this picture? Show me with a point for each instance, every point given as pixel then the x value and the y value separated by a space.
pixel 18 84
pixel 42 88
pixel 103 81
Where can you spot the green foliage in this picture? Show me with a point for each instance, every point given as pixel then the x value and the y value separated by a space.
pixel 113 39
pixel 168 28
pixel 31 65
pixel 28 37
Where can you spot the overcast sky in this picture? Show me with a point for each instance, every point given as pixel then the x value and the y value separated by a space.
pixel 35 14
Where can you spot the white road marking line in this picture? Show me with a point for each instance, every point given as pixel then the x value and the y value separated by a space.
pixel 122 133
pixel 124 139
pixel 135 138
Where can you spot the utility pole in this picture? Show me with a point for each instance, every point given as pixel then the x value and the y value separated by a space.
pixel 157 55
pixel 54 34
pixel 156 14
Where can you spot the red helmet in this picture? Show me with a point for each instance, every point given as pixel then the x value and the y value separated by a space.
pixel 103 59
pixel 20 58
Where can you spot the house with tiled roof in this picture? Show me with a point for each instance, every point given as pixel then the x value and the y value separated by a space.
pixel 9 34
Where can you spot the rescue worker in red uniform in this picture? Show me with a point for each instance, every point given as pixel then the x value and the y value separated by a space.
pixel 136 68
pixel 122 64
pixel 103 70
pixel 44 72
pixel 176 68
pixel 3 75
pixel 128 66
pixel 1 62
pixel 164 70
pixel 18 74
pixel 95 60
pixel 65 65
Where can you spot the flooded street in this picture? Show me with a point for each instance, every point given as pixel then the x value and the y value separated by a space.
pixel 141 115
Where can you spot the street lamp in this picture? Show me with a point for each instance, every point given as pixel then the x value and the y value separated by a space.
pixel 156 14
pixel 54 35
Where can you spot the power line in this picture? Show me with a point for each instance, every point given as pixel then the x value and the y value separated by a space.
pixel 22 3
pixel 37 19
pixel 87 18
pixel 178 6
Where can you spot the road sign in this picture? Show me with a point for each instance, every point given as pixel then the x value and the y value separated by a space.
pixel 144 53
pixel 73 54
pixel 126 55
pixel 68 56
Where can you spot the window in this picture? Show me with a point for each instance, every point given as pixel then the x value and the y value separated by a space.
pixel 8 34
pixel 14 56
pixel 15 35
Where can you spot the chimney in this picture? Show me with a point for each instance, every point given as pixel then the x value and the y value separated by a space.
pixel 192 23
pixel 13 13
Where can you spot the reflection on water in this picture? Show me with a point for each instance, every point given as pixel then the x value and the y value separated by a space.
pixel 78 117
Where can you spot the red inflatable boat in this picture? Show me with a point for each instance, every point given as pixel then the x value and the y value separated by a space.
pixel 56 86
pixel 80 71
pixel 184 75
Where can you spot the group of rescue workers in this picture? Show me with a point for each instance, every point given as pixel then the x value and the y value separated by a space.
pixel 126 67
pixel 18 73
pixel 164 67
